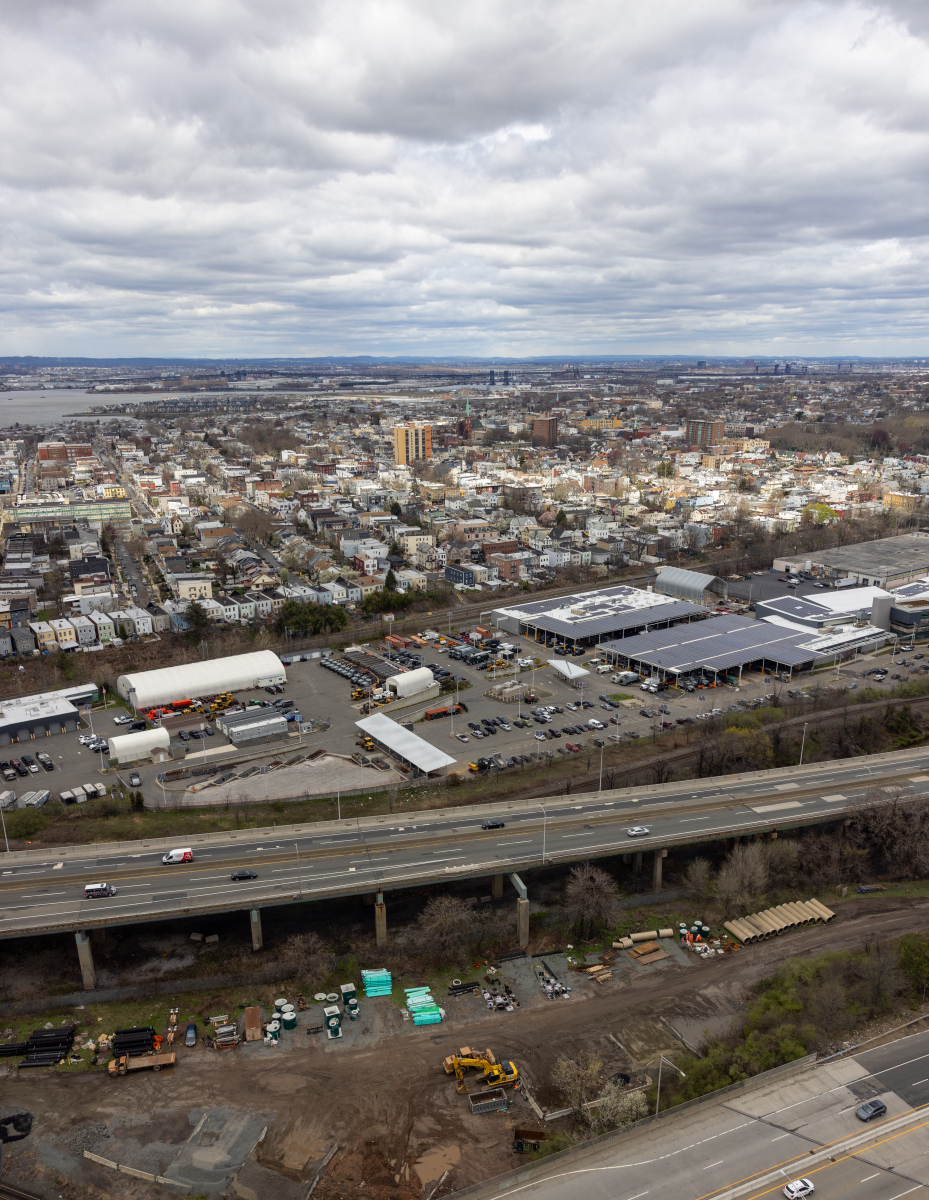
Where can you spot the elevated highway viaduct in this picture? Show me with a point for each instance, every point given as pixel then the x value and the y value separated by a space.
pixel 42 891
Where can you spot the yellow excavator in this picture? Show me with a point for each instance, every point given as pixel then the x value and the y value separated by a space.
pixel 495 1074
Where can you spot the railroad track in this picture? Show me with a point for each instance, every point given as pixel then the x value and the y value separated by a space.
pixel 8 1192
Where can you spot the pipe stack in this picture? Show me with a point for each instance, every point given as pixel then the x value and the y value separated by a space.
pixel 772 922
pixel 47 1047
pixel 377 983
pixel 140 1039
pixel 422 1007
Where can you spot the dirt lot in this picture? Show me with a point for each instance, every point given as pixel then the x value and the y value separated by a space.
pixel 380 1092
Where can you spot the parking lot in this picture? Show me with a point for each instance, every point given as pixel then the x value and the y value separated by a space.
pixel 321 695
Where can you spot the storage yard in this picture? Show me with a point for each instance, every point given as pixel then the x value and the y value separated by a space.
pixel 329 1107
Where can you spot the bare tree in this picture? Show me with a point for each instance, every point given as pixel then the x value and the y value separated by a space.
pixel 446 925
pixel 617 1107
pixel 591 898
pixel 698 879
pixel 306 956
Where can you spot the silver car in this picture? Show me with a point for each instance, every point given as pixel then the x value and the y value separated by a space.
pixel 637 831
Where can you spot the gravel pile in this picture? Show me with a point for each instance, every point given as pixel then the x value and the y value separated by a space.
pixel 86 1137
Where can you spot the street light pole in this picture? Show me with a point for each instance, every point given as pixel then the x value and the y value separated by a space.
pixel 600 789
pixel 299 872
pixel 803 742
pixel 5 838
pixel 544 827
pixel 661 1060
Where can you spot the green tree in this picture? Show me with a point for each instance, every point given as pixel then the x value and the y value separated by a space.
pixel 396 509
pixel 390 581
pixel 198 619
pixel 914 961
pixel 561 519
pixel 394 551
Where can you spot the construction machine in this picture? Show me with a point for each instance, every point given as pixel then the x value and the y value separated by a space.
pixel 495 1074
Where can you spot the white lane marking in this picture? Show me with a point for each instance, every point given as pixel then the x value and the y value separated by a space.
pixel 715 1164
pixel 918 778
pixel 867 1177
pixel 783 1135
pixel 524 842
pixel 774 807
pixel 786 787
pixel 834 798
pixel 40 895
pixel 573 835
pixel 57 866
pixel 370 858
pixel 899 1195
pixel 690 820
pixel 918 1082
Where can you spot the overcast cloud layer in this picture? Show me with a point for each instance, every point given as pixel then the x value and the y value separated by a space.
pixel 401 176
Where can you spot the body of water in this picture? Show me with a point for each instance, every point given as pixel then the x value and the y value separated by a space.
pixel 36 407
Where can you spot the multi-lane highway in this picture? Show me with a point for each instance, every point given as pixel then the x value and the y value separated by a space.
pixel 42 891
pixel 750 1144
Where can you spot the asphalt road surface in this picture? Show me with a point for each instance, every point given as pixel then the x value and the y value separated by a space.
pixel 350 857
pixel 751 1144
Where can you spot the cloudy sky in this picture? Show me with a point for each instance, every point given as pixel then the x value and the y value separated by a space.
pixel 258 177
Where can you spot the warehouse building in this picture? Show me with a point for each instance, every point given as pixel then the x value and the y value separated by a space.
pixel 588 618
pixel 32 717
pixel 887 562
pixel 253 727
pixel 691 585
pixel 240 672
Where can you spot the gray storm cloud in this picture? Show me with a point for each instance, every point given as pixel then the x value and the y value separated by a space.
pixel 387 177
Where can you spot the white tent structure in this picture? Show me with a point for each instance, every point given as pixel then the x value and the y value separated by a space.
pixel 568 670
pixel 145 689
pixel 411 683
pixel 130 747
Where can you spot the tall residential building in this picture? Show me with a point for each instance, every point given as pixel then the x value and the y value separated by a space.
pixel 706 433
pixel 412 443
pixel 545 430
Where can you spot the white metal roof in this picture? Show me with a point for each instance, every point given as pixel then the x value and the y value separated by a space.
pixel 191 680
pixel 405 744
pixel 568 669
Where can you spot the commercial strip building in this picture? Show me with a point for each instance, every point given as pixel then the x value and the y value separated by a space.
pixel 405 745
pixel 145 689
pixel 588 618
pixel 42 512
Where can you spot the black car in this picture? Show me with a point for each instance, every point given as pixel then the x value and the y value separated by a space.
pixel 136 726
pixel 873 1108
pixel 243 874
pixel 184 735
pixel 493 825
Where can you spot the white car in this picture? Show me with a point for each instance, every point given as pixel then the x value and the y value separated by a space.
pixel 798 1188
pixel 524 662
pixel 462 737
pixel 637 831
pixel 540 737
pixel 86 738
pixel 123 720
pixel 572 707
pixel 595 724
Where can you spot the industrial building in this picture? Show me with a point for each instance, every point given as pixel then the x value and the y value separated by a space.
pixel 588 618
pixel 721 648
pixel 691 585
pixel 885 563
pixel 239 672
pixel 253 726
pixel 419 684
pixel 22 720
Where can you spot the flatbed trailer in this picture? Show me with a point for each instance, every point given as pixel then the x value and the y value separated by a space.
pixel 142 1062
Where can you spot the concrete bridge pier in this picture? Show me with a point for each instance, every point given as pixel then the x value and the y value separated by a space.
pixel 86 958
pixel 380 920
pixel 257 935
pixel 497 888
pixel 660 856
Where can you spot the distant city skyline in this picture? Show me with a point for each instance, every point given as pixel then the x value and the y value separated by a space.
pixel 397 179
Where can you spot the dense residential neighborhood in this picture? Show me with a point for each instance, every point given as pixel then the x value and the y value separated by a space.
pixel 378 499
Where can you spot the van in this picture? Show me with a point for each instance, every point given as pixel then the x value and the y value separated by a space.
pixel 604 669
pixel 179 856
pixel 98 889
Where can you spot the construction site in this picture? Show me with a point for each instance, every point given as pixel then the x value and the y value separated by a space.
pixel 414 1089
